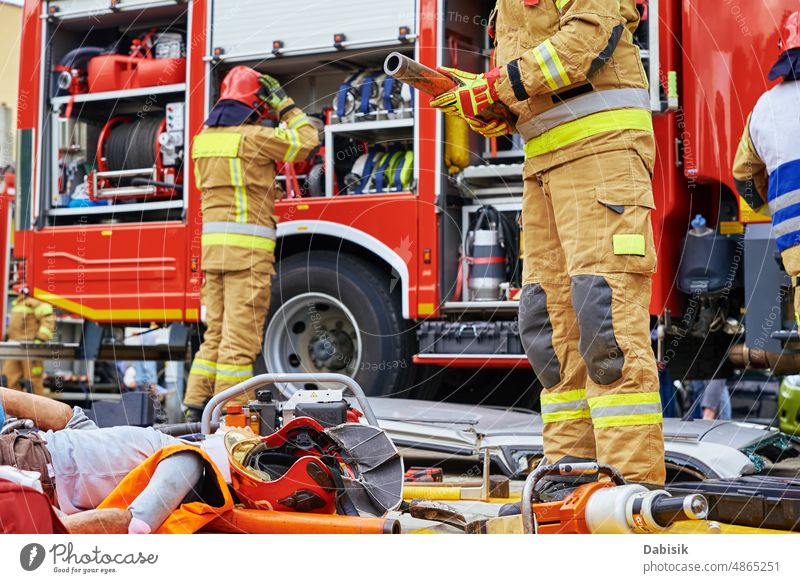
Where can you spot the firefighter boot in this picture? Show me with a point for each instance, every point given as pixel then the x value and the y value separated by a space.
pixel 552 488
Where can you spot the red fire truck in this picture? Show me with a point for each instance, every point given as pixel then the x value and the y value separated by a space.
pixel 376 232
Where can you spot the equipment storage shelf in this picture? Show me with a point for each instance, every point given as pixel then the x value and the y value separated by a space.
pixel 374 140
pixel 124 95
pixel 361 114
pixel 114 132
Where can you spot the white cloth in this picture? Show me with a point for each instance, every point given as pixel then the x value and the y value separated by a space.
pixel 87 466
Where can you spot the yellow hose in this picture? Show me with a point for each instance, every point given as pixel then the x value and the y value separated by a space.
pixel 425 493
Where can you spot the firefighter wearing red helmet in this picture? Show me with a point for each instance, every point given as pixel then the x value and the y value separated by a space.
pixel 234 162
pixel 572 75
pixel 766 168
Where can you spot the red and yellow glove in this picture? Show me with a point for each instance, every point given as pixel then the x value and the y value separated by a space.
pixel 490 129
pixel 475 94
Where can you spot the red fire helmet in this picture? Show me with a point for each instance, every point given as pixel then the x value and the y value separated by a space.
pixel 790 39
pixel 241 84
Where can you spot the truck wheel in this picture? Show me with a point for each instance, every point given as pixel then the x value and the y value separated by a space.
pixel 331 313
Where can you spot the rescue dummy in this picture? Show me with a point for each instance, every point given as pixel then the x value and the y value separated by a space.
pixel 112 480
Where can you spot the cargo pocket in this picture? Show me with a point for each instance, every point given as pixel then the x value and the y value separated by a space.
pixel 626 236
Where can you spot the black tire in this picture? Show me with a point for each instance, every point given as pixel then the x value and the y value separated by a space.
pixel 388 343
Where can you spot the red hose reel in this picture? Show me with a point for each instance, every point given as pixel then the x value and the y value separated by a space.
pixel 136 158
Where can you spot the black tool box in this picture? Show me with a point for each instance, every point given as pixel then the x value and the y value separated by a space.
pixel 469 338
pixel 757 501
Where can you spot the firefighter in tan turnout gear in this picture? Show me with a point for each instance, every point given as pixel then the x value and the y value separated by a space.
pixel 569 71
pixel 31 321
pixel 234 159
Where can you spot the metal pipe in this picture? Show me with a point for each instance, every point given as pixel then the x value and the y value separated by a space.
pixel 246 521
pixel 213 408
pixel 434 83
pixel 419 76
pixel 778 362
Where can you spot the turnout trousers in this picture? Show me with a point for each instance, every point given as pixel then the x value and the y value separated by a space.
pixel 16 371
pixel 236 308
pixel 589 256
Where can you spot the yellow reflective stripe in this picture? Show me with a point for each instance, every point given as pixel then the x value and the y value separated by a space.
pixel 563 397
pixel 204 368
pixel 22 310
pixel 628 244
pixel 233 240
pixel 565 80
pixel 566 416
pixel 43 310
pixel 234 367
pixel 618 399
pixel 216 145
pixel 545 69
pixel 234 372
pixel 585 127
pixel 298 121
pixel 203 372
pixel 240 190
pixel 45 331
pixel 561 3
pixel 294 148
pixel 36 370
pixel 627 420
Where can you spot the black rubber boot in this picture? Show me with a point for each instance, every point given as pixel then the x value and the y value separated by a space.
pixel 194 414
pixel 552 488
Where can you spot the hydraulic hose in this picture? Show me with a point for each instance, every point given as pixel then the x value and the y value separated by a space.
pixel 132 146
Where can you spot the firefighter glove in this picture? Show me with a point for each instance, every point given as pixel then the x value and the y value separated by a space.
pixel 272 93
pixel 474 94
pixel 490 129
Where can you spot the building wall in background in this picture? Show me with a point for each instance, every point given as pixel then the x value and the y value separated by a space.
pixel 10 31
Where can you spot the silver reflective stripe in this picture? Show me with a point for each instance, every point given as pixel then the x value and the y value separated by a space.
pixel 594 102
pixel 786 227
pixel 568 406
pixel 620 410
pixel 203 367
pixel 547 59
pixel 239 229
pixel 783 201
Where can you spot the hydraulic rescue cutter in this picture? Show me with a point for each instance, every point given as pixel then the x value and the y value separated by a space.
pixel 604 506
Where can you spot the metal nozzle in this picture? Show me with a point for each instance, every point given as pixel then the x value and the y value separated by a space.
pixel 695 506
pixel 667 509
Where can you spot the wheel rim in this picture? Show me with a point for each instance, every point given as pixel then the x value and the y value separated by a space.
pixel 312 333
